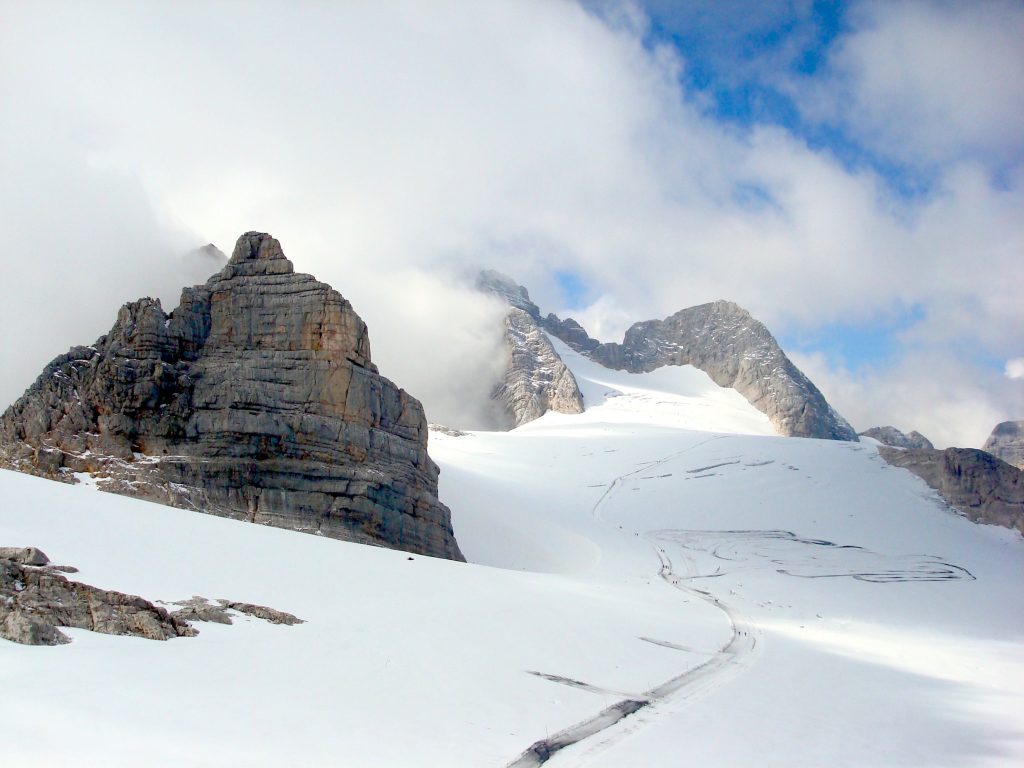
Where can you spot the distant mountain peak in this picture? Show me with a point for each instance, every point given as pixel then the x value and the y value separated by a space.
pixel 720 338
pixel 1007 442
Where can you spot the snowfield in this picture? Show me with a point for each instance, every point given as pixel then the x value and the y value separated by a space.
pixel 659 581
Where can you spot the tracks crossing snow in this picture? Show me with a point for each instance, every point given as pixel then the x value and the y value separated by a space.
pixel 731 657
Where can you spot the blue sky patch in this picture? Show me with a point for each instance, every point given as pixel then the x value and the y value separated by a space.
pixel 852 346
pixel 574 291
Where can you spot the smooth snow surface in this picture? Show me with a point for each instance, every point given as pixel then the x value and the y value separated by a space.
pixel 757 600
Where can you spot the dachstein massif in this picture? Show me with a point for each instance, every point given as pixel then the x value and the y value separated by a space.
pixel 676 552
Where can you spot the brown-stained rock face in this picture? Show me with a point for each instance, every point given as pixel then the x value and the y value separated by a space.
pixel 35 601
pixel 255 399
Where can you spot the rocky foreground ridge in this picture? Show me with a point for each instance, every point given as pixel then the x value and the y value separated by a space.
pixel 720 338
pixel 255 399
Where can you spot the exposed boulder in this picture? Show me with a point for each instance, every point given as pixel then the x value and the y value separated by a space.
pixel 979 485
pixel 895 438
pixel 200 609
pixel 255 399
pixel 24 555
pixel 1007 443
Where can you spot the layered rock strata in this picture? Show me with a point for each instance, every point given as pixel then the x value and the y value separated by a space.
pixel 977 484
pixel 734 349
pixel 895 438
pixel 255 399
pixel 1007 443
pixel 535 379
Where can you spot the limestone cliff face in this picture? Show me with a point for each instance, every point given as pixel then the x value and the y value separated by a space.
pixel 735 350
pixel 1007 443
pixel 895 438
pixel 979 485
pixel 256 398
pixel 535 380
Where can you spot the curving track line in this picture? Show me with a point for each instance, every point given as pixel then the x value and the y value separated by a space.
pixel 731 657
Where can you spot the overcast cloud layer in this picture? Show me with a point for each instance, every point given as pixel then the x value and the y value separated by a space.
pixel 394 148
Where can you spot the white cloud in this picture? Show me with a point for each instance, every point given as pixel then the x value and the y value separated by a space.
pixel 393 147
pixel 932 81
pixel 944 396
pixel 1015 368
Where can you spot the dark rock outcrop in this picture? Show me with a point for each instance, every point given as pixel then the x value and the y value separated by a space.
pixel 35 601
pixel 535 380
pixel 980 486
pixel 737 351
pixel 895 438
pixel 1007 443
pixel 255 399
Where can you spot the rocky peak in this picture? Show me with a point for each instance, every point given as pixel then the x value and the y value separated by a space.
pixel 1007 443
pixel 257 246
pixel 535 380
pixel 720 338
pixel 256 398
pixel 735 350
pixel 508 290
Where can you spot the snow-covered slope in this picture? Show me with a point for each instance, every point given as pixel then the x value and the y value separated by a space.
pixel 757 600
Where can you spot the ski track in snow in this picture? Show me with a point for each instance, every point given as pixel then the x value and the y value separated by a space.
pixel 415 661
pixel 826 559
pixel 710 674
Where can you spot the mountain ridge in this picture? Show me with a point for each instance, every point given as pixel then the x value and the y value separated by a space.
pixel 720 338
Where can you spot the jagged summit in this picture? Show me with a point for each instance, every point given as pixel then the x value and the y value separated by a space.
pixel 720 338
pixel 735 350
pixel 507 289
pixel 256 398
pixel 535 379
